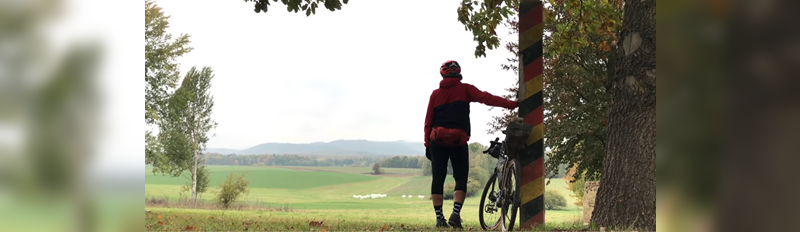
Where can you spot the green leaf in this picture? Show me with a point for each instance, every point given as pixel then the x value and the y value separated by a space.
pixel 576 99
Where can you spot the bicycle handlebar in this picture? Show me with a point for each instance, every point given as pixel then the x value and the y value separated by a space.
pixel 492 144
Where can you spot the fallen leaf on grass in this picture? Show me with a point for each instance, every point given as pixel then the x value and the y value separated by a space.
pixel 188 228
pixel 323 230
pixel 160 217
pixel 160 222
pixel 382 228
pixel 316 223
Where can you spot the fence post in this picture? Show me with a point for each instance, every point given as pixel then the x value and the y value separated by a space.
pixel 531 211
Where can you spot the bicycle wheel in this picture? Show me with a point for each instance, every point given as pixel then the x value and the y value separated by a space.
pixel 490 189
pixel 511 182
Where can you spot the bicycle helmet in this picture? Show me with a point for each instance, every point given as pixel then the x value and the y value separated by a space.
pixel 450 68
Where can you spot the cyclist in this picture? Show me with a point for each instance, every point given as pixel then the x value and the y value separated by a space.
pixel 447 130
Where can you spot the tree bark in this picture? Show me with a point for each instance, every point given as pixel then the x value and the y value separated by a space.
pixel 194 171
pixel 626 198
pixel 194 179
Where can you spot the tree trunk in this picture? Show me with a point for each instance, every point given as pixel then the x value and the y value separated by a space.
pixel 626 198
pixel 194 178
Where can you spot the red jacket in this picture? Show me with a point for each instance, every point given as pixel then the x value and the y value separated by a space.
pixel 449 105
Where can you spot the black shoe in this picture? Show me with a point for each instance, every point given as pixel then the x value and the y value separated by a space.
pixel 441 223
pixel 455 221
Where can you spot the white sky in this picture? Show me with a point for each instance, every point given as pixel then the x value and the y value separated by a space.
pixel 365 72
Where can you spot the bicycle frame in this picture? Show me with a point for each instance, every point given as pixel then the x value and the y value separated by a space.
pixel 506 194
pixel 499 171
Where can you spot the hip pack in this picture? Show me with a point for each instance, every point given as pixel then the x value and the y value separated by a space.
pixel 450 137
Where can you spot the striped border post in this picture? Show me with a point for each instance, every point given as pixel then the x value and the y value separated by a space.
pixel 531 110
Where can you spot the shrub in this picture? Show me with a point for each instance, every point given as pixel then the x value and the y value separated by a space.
pixel 376 168
pixel 476 181
pixel 474 188
pixel 202 181
pixel 554 200
pixel 577 188
pixel 478 174
pixel 232 188
pixel 449 191
pixel 427 169
pixel 575 184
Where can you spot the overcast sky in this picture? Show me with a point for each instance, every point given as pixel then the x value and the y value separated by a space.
pixel 365 72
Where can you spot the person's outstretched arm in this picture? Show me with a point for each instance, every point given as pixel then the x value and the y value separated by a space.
pixel 488 99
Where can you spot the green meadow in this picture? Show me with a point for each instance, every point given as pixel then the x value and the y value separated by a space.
pixel 293 196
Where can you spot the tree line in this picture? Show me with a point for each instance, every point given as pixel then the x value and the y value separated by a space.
pixel 477 159
pixel 290 160
pixel 403 162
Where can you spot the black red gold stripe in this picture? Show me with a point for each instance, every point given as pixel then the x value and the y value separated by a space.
pixel 532 111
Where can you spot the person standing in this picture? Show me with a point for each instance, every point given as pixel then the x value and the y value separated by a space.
pixel 447 131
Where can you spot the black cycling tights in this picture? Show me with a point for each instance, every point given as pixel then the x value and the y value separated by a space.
pixel 458 156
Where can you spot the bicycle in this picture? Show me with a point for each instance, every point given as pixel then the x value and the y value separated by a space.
pixel 508 169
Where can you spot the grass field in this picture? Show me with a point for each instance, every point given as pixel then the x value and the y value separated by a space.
pixel 317 193
pixel 365 170
pixel 274 178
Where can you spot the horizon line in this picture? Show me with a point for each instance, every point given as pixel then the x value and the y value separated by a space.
pixel 404 141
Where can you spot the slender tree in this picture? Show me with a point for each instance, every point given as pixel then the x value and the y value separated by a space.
pixel 189 122
pixel 182 115
pixel 160 69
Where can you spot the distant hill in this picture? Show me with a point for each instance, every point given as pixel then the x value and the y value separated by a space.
pixel 221 150
pixel 337 147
